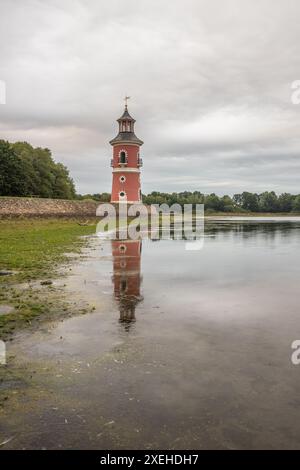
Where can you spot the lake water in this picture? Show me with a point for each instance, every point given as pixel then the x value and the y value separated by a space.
pixel 185 349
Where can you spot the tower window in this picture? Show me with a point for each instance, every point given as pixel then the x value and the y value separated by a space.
pixel 122 194
pixel 122 179
pixel 122 157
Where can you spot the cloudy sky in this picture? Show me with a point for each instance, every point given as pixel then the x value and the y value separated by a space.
pixel 209 80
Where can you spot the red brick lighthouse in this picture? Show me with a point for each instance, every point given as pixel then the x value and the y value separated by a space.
pixel 126 162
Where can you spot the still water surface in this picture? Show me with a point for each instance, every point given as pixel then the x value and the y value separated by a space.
pixel 185 349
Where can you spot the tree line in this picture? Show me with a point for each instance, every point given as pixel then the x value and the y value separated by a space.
pixel 28 171
pixel 244 202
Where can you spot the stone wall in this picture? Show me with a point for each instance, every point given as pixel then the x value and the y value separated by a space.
pixel 38 207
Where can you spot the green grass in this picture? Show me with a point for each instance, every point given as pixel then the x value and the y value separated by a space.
pixel 34 249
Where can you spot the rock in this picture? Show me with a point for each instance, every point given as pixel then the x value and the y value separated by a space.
pixel 46 283
pixel 6 309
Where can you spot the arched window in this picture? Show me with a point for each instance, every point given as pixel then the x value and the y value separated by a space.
pixel 122 157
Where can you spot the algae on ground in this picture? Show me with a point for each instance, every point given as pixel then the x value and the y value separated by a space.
pixel 35 250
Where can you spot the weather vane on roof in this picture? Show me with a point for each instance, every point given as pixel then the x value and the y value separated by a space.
pixel 126 100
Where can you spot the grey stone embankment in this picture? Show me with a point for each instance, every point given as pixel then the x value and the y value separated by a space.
pixel 40 207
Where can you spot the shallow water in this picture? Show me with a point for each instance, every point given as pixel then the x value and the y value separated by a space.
pixel 185 349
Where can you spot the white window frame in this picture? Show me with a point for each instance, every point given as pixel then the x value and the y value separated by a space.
pixel 122 197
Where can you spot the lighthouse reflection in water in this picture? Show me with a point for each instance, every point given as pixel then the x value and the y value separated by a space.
pixel 127 278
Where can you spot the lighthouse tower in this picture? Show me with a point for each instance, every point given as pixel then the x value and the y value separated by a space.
pixel 126 162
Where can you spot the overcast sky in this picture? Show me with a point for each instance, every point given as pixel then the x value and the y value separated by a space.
pixel 210 86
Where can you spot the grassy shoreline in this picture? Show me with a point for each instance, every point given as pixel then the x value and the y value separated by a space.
pixel 35 251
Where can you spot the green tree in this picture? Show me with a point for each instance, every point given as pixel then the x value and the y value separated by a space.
pixel 25 153
pixel 63 185
pixel 247 201
pixel 43 177
pixel 12 178
pixel 227 204
pixel 285 202
pixel 268 202
pixel 296 204
pixel 213 202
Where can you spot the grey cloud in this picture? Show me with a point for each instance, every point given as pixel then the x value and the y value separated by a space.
pixel 210 83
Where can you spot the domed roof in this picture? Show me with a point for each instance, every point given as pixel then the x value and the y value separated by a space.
pixel 126 116
pixel 126 135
